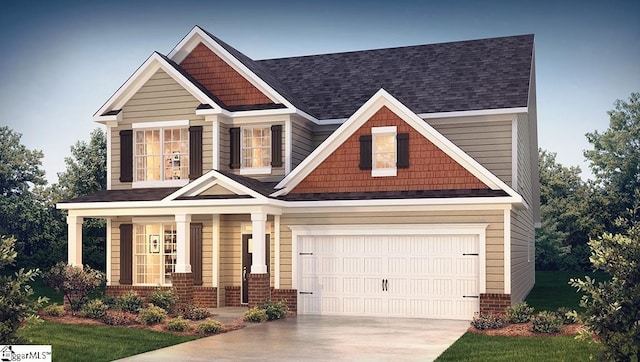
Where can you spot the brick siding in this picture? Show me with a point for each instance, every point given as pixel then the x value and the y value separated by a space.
pixel 232 296
pixel 494 303
pixel 221 79
pixel 429 167
pixel 290 296
pixel 259 289
pixel 201 296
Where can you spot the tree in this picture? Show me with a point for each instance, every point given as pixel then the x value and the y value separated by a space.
pixel 615 159
pixel 612 311
pixel 15 303
pixel 74 282
pixel 19 166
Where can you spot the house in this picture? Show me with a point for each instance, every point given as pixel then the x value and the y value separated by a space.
pixel 396 182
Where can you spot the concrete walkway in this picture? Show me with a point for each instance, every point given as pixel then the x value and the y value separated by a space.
pixel 321 338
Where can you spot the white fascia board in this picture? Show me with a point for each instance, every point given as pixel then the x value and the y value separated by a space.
pixel 478 112
pixel 505 200
pixel 180 210
pixel 209 179
pixel 149 206
pixel 377 101
pixel 141 76
pixel 389 229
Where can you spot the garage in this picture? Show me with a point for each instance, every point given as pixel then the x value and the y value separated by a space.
pixel 390 272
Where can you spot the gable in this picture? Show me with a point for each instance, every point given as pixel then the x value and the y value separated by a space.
pixel 224 82
pixel 217 190
pixel 160 98
pixel 429 167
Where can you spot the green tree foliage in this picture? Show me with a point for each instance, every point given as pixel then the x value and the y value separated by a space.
pixel 615 159
pixel 612 307
pixel 75 283
pixel 16 306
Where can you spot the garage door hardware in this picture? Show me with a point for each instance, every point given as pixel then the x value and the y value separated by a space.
pixel 305 292
pixel 306 253
pixel 385 285
pixel 471 296
pixel 473 254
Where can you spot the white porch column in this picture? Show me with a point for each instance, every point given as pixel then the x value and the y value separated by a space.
pixel 74 238
pixel 183 235
pixel 258 224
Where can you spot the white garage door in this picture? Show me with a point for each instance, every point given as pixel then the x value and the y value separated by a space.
pixel 425 276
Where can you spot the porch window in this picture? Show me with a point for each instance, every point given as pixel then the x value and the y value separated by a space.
pixel 161 154
pixel 256 150
pixel 383 151
pixel 154 256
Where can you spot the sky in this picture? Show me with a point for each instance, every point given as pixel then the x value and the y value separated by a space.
pixel 61 60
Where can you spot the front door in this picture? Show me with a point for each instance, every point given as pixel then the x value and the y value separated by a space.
pixel 247 260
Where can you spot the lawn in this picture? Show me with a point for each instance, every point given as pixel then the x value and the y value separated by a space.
pixel 97 343
pixel 550 292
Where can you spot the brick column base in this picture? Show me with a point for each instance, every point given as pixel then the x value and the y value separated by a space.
pixel 494 303
pixel 183 285
pixel 232 296
pixel 259 289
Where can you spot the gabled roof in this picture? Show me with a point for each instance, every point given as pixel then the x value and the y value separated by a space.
pixel 383 99
pixel 447 77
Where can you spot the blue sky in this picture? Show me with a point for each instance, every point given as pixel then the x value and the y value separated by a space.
pixel 62 60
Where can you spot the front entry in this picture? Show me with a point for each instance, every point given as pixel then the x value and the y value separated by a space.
pixel 247 260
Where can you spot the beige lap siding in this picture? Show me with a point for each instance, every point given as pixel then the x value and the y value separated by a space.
pixel 494 241
pixel 160 99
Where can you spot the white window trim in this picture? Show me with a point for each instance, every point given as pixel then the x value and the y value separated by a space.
pixel 254 170
pixel 161 124
pixel 134 264
pixel 383 131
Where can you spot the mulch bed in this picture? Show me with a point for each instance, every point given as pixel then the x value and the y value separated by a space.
pixel 68 318
pixel 524 330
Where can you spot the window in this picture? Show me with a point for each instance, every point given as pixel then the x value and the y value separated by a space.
pixel 154 256
pixel 161 154
pixel 383 151
pixel 256 150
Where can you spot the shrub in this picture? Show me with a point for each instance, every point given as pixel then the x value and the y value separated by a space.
pixel 519 313
pixel 74 282
pixel 209 326
pixel 568 316
pixel 275 310
pixel 546 322
pixel 163 298
pixel 178 324
pixel 54 310
pixel 118 318
pixel 129 302
pixel 94 309
pixel 256 315
pixel 488 321
pixel 194 313
pixel 152 315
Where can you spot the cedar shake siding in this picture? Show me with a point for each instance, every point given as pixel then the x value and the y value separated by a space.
pixel 429 167
pixel 221 79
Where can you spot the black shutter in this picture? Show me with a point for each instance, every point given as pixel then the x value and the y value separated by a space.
pixel 126 156
pixel 126 254
pixel 196 253
pixel 195 152
pixel 403 150
pixel 276 146
pixel 365 152
pixel 234 145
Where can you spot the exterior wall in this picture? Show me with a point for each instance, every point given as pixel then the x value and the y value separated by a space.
pixel 321 133
pixel 302 142
pixel 429 167
pixel 221 79
pixel 494 241
pixel 160 99
pixel 488 142
pixel 115 248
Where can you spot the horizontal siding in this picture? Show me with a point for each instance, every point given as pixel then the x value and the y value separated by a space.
pixel 522 254
pixel 489 143
pixel 494 247
pixel 321 133
pixel 302 143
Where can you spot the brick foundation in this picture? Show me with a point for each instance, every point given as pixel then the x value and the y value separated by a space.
pixel 259 289
pixel 183 285
pixel 232 296
pixel 205 296
pixel 201 296
pixel 290 296
pixel 494 303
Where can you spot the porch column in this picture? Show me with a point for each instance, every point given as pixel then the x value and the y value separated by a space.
pixel 74 238
pixel 183 235
pixel 259 264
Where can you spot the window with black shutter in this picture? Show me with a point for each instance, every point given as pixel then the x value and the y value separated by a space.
pixel 276 146
pixel 195 152
pixel 403 150
pixel 365 152
pixel 126 254
pixel 234 144
pixel 126 156
pixel 196 253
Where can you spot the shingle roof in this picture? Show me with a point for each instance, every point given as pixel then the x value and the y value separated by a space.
pixel 379 195
pixel 458 76
pixel 145 194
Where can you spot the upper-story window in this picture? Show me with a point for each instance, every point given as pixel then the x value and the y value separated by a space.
pixel 384 151
pixel 256 150
pixel 161 154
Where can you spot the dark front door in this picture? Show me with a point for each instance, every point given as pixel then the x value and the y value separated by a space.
pixel 247 260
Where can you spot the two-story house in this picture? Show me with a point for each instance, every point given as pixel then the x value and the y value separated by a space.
pixel 399 182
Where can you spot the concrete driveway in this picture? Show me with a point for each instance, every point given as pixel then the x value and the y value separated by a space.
pixel 321 338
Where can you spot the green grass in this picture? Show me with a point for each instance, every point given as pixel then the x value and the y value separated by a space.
pixel 475 347
pixel 41 290
pixel 97 343
pixel 552 290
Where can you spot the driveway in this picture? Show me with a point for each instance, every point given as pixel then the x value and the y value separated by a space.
pixel 321 338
